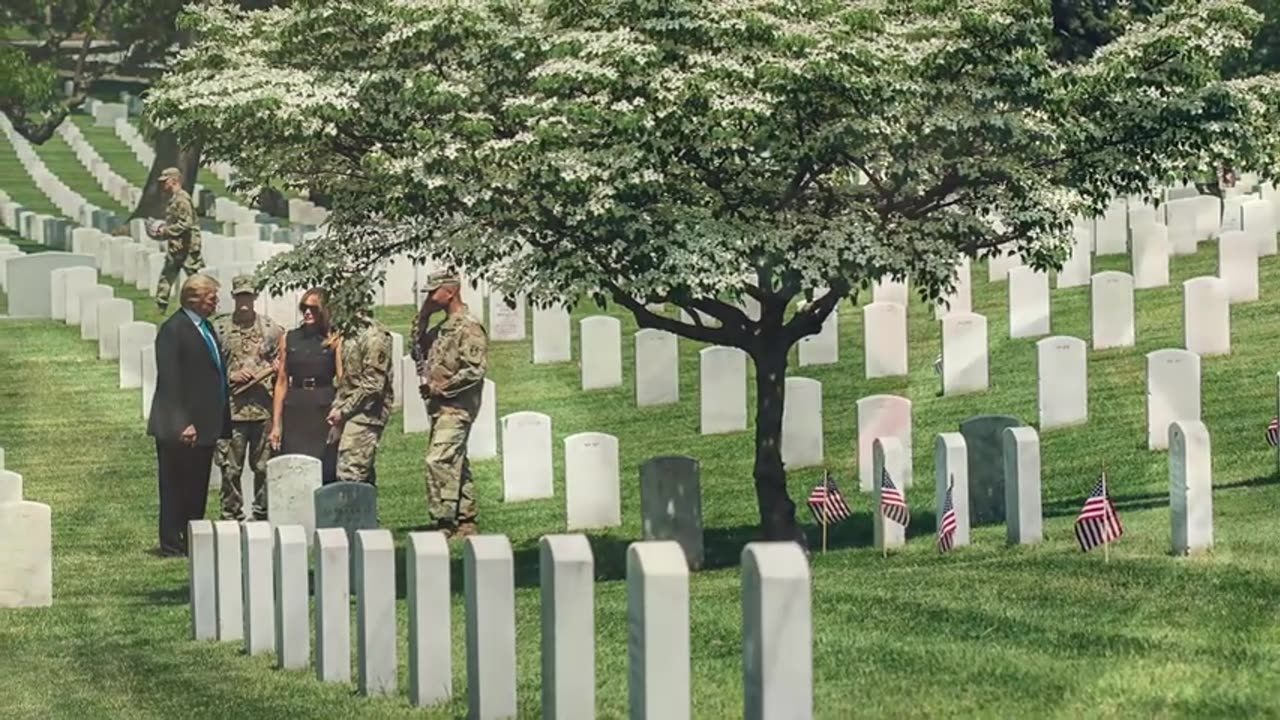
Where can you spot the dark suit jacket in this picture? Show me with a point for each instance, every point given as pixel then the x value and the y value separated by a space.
pixel 189 389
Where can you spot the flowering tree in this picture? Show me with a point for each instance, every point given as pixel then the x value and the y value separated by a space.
pixel 700 152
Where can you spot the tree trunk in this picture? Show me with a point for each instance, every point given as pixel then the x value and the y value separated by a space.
pixel 777 511
pixel 169 153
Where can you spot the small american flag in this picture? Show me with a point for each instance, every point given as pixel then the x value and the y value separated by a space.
pixel 1098 522
pixel 947 525
pixel 937 364
pixel 826 495
pixel 1273 432
pixel 892 504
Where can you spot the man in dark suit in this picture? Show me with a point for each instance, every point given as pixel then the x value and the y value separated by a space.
pixel 190 411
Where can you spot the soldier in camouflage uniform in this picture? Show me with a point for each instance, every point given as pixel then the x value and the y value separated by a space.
pixel 248 342
pixel 363 402
pixel 451 359
pixel 180 233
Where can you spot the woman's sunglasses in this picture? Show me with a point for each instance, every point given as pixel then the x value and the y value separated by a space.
pixel 314 309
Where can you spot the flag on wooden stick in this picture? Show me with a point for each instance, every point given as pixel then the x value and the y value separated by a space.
pixel 947 522
pixel 892 503
pixel 827 503
pixel 1098 523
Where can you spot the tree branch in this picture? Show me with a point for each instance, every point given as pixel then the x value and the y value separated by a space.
pixel 647 319
pixel 809 321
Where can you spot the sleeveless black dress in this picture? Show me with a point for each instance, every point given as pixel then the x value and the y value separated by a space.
pixel 311 368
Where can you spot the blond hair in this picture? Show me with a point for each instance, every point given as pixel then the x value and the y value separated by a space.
pixel 197 285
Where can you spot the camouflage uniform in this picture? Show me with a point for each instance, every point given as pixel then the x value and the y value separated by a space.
pixel 252 348
pixel 181 236
pixel 453 355
pixel 364 400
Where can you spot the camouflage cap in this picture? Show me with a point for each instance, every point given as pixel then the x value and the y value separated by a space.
pixel 243 285
pixel 439 279
pixel 170 172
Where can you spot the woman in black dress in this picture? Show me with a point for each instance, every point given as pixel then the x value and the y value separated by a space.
pixel 311 359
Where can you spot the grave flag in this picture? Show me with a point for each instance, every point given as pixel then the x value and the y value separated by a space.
pixel 892 502
pixel 1273 432
pixel 947 522
pixel 1098 523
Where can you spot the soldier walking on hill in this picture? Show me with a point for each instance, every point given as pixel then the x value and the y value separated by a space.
pixel 451 359
pixel 362 405
pixel 248 342
pixel 181 235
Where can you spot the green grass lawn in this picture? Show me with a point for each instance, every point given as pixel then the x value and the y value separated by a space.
pixel 987 631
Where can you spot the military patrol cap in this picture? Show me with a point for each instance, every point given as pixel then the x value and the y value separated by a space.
pixel 243 284
pixel 440 278
pixel 170 172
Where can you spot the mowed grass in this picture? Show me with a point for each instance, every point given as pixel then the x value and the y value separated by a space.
pixel 987 631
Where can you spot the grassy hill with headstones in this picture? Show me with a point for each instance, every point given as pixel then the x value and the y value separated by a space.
pixel 987 630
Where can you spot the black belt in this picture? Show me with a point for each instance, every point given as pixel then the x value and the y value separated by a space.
pixel 309 382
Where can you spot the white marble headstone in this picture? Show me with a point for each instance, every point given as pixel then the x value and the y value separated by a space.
pixel 1238 265
pixel 601 352
pixel 658 631
pixel 961 298
pixel 1111 307
pixel 292 598
pixel 777 628
pixel 489 582
pixel 1078 267
pixel 1206 316
pixel 890 290
pixel 1190 487
pixel 292 481
pixel 885 339
pixel 375 575
pixel 1150 256
pixel 1028 302
pixel 887 454
pixel 592 495
pixel 964 354
pixel 882 416
pixel 506 323
pixel 202 585
pixel 951 468
pixel 1062 379
pixel 1173 392
pixel 567 579
pixel 823 347
pixel 134 336
pixel 551 335
pixel 1260 223
pixel 1023 515
pixel 526 457
pixel 258 576
pixel 112 313
pixel 482 443
pixel 415 408
pixel 75 281
pixel 427 594
pixel 88 315
pixel 802 427
pixel 722 390
pixel 26 564
pixel 657 368
pixel 333 605
pixel 228 587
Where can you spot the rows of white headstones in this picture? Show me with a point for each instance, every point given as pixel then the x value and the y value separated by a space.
pixel 1190 484
pixel 26 535
pixel 249 584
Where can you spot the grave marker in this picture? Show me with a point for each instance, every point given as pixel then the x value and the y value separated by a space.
pixel 482 443
pixel 567 574
pixel 1111 307
pixel 1062 380
pixel 777 630
pixel 1190 487
pixel 351 506
pixel 802 426
pixel 227 586
pixel 951 468
pixel 1150 256
pixel 882 416
pixel 375 554
pixel 823 347
pixel 1022 486
pixel 333 606
pixel 592 496
pixel 984 441
pixel 964 354
pixel 657 368
pixel 885 339
pixel 1238 266
pixel 1028 302
pixel 430 639
pixel 526 460
pixel 258 578
pixel 552 341
pixel 671 504
pixel 75 281
pixel 134 336
pixel 723 390
pixel 1206 316
pixel 292 481
pixel 112 313
pixel 489 582
pixel 202 586
pixel 1173 392
pixel 88 314
pixel 506 324
pixel 292 593
pixel 887 455
pixel 26 565
pixel 658 637
pixel 601 352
